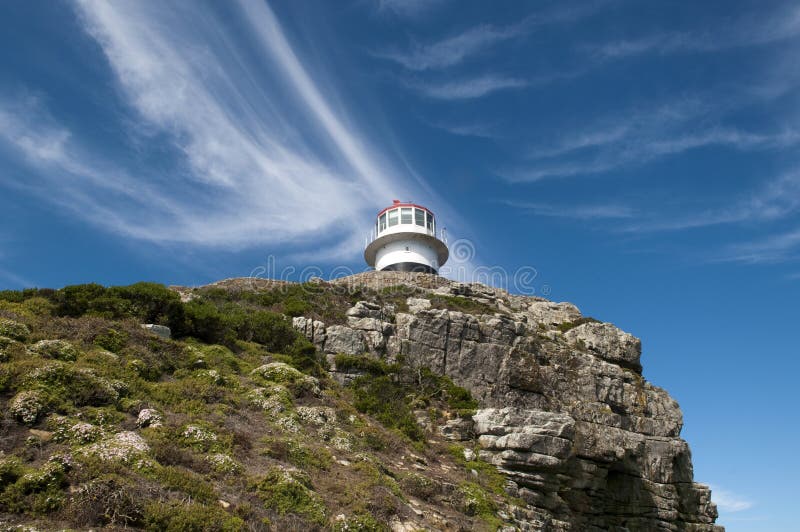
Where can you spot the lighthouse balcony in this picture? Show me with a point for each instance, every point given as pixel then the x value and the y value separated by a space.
pixel 405 219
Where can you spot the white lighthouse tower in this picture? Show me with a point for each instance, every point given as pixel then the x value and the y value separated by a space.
pixel 405 239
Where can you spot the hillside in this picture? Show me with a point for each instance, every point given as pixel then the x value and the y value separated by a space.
pixel 378 401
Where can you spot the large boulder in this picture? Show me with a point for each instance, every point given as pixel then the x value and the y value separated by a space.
pixel 312 329
pixel 609 343
pixel 344 340
pixel 551 313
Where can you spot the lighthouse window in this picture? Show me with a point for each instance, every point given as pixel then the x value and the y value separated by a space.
pixel 419 217
pixel 382 223
pixel 430 222
pixel 405 215
pixel 393 217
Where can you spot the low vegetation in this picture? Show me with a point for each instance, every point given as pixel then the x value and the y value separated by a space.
pixel 231 425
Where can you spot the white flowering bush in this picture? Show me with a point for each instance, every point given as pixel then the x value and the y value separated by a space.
pixel 223 463
pixel 122 447
pixel 79 433
pixel 281 373
pixel 14 330
pixel 213 376
pixel 341 440
pixel 50 474
pixel 27 406
pixel 278 372
pixel 272 398
pixel 57 349
pixel 197 434
pixel 288 423
pixel 316 415
pixel 6 344
pixel 65 460
pixel 149 417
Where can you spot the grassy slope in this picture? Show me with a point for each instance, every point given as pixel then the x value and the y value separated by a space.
pixel 228 448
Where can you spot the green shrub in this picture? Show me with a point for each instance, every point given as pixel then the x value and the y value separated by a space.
pixel 386 400
pixel 461 304
pixel 295 307
pixel 14 330
pixel 270 329
pixel 432 386
pixel 56 349
pixel 36 491
pixel 475 501
pixel 10 470
pixel 298 454
pixel 63 385
pixel 10 349
pixel 419 486
pixel 360 522
pixel 291 492
pixel 186 517
pixel 184 481
pixel 567 325
pixel 112 340
pixel 77 300
pixel 363 364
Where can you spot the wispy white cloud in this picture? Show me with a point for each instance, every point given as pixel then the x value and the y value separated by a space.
pixel 456 48
pixel 635 137
pixel 253 155
pixel 451 50
pixel 470 88
pixel 579 212
pixel 409 8
pixel 749 30
pixel 479 130
pixel 773 248
pixel 588 139
pixel 777 200
pixel 728 501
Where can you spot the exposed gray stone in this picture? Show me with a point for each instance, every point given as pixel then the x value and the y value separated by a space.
pixel 314 330
pixel 416 304
pixel 608 342
pixel 551 313
pixel 159 330
pixel 457 429
pixel 584 440
pixel 341 339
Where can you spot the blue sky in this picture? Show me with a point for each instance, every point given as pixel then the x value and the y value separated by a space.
pixel 641 157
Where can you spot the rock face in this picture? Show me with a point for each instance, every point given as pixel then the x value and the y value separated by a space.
pixel 159 330
pixel 585 441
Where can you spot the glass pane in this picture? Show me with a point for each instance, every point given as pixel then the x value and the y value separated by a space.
pixel 392 217
pixel 382 223
pixel 405 215
pixel 419 217
pixel 430 222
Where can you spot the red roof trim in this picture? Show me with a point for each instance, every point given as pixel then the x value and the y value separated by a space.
pixel 396 205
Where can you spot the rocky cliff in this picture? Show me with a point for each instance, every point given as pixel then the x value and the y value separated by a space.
pixel 382 401
pixel 584 440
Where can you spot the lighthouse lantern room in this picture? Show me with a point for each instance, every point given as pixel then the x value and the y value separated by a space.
pixel 405 239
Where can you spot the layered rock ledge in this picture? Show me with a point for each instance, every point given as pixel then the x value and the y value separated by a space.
pixel 585 441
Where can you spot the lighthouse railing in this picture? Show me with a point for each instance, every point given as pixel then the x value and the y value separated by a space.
pixel 373 233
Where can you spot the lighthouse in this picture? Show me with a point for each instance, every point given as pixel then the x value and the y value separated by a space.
pixel 405 239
